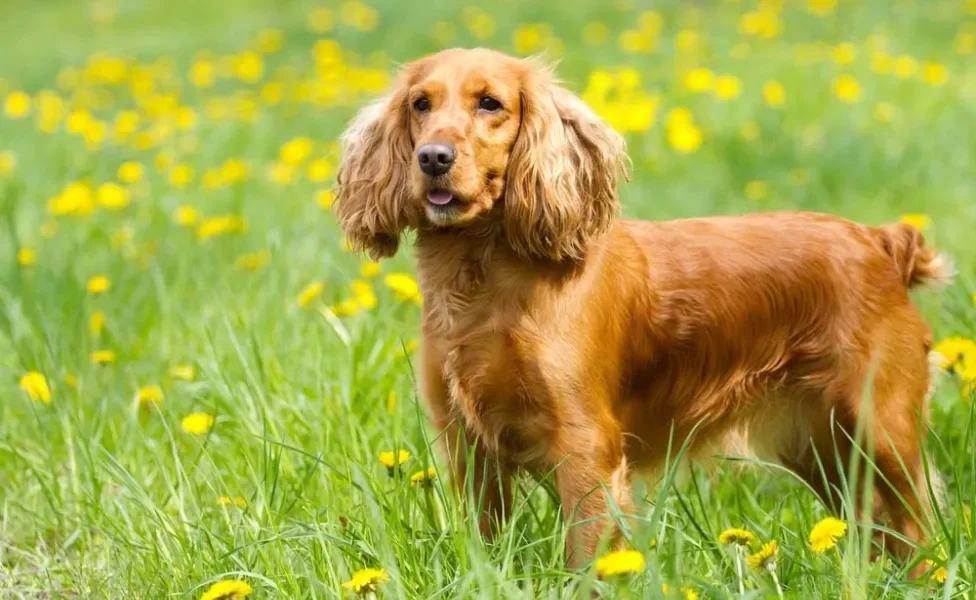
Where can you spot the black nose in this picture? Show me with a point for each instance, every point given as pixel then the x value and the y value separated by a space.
pixel 435 159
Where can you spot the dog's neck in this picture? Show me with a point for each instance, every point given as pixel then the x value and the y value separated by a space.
pixel 456 266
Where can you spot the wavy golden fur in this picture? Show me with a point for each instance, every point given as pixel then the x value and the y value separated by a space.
pixel 558 336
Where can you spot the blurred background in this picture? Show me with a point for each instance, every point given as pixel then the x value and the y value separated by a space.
pixel 167 249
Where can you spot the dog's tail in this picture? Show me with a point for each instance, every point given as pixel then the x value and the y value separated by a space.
pixel 917 264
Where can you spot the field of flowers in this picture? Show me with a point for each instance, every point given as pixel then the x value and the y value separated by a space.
pixel 205 395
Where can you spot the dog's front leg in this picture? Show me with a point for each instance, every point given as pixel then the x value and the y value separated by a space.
pixel 483 482
pixel 589 487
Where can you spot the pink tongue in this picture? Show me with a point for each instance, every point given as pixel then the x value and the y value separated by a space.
pixel 440 198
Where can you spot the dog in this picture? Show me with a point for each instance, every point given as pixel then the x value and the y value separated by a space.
pixel 560 337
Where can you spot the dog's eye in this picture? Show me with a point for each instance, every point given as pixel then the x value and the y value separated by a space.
pixel 488 103
pixel 421 104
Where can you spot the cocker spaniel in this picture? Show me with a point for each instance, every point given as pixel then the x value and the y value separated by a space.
pixel 557 336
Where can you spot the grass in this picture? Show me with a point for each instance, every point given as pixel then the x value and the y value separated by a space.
pixel 102 499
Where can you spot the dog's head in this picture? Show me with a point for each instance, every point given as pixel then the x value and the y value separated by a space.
pixel 469 135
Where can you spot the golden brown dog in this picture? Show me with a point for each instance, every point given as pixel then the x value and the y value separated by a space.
pixel 559 336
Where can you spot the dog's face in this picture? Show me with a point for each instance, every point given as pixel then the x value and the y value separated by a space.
pixel 464 119
pixel 464 131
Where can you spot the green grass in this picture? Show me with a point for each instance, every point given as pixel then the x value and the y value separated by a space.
pixel 100 500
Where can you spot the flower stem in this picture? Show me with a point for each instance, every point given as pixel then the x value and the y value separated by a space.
pixel 843 578
pixel 779 589
pixel 738 569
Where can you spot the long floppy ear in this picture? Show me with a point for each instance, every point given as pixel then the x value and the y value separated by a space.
pixel 372 193
pixel 561 184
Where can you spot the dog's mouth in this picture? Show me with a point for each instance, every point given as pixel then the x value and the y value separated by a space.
pixel 440 199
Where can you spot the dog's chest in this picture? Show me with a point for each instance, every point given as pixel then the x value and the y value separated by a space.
pixel 498 390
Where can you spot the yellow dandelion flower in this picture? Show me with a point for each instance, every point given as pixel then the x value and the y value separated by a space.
pixel 757 190
pixel 964 43
pixel 881 62
pixel 935 74
pixel 687 40
pixel 370 269
pixel 954 349
pixel 916 220
pixel 102 357
pixel 26 257
pixel 8 162
pixel 310 293
pixel 347 308
pixel 904 66
pixel 281 173
pixel 635 41
pixel 184 372
pixel 424 477
pixel 408 348
pixel 112 196
pixel 619 563
pixel 17 105
pixel 270 41
pixel 96 323
pixel 197 423
pixel 392 460
pixel 527 39
pixel 366 580
pixel 77 198
pixel 358 15
pixel 319 170
pixel 765 558
pixel 698 80
pixel 684 137
pixel 149 396
pixel 218 226
pixel 35 384
pixel 363 292
pixel 202 73
pixel 403 286
pixel 71 380
pixel 938 573
pixel 296 150
pixel 728 87
pixel 686 592
pixel 234 170
pixel 248 66
pixel 130 172
pixel 847 89
pixel 479 23
pixel 98 284
pixel 320 20
pixel 180 176
pixel 227 589
pixel 825 534
pixel 844 53
pixel 821 8
pixel 253 262
pixel 774 93
pixel 186 216
pixel 237 501
pixel 737 536
pixel 325 198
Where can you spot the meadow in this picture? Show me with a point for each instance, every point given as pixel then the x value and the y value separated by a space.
pixel 206 395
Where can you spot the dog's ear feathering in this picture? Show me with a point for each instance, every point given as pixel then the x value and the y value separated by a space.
pixel 561 184
pixel 372 183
